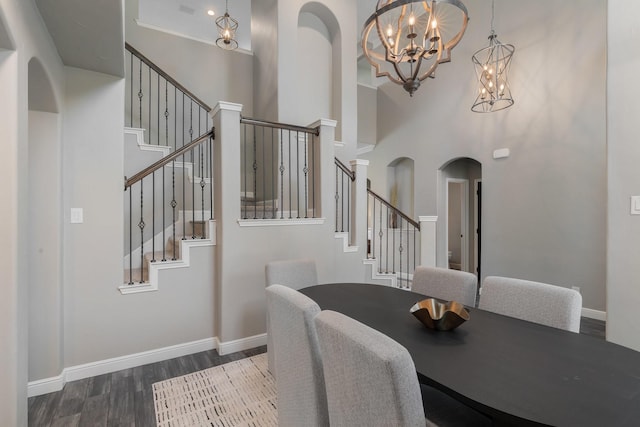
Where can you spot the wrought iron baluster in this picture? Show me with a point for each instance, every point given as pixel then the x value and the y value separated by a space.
pixel 337 197
pixel 158 111
pixel 255 175
pixel 130 89
pixel 153 217
pixel 202 184
pixel 193 177
pixel 141 225
pixel 150 96
pixel 173 206
pixel 264 188
pixel 298 173
pixel 290 177
pixel 184 202
pixel 380 235
pixel 130 236
pixel 272 162
pixel 281 176
pixel 211 154
pixel 140 94
pixel 313 172
pixel 400 250
pixel 244 170
pixel 306 172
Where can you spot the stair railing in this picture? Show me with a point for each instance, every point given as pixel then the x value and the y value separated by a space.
pixel 344 179
pixel 171 114
pixel 278 170
pixel 393 239
pixel 168 194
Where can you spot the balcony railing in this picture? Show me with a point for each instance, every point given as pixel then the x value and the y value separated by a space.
pixel 278 170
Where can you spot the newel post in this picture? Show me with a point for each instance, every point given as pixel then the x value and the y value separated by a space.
pixel 428 240
pixel 359 203
pixel 324 181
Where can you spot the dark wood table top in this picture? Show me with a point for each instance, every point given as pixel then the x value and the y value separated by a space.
pixel 517 372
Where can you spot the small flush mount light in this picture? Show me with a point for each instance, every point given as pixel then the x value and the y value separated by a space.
pixel 210 12
pixel 492 69
pixel 227 27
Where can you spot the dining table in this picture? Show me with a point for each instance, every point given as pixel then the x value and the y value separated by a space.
pixel 516 372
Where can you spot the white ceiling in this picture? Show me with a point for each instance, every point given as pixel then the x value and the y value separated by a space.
pixel 88 34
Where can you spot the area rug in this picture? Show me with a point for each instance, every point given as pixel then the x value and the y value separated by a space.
pixel 240 393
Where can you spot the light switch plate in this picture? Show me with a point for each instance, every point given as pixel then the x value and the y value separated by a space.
pixel 635 205
pixel 77 216
pixel 501 153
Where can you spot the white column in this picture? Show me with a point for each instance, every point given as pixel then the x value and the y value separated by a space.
pixel 359 203
pixel 325 168
pixel 428 240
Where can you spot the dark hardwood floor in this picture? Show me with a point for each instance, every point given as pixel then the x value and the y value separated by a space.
pixel 125 398
pixel 122 398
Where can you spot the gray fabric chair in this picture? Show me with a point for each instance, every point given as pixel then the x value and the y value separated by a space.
pixel 532 301
pixel 302 399
pixel 295 274
pixel 370 378
pixel 449 285
pixel 371 381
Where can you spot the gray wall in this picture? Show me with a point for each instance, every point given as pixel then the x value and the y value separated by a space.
pixel 209 72
pixel 544 206
pixel 100 323
pixel 623 292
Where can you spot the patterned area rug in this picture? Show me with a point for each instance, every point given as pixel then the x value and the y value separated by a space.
pixel 240 393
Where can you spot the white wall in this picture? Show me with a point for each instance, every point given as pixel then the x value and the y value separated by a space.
pixel 24 27
pixel 544 206
pixel 623 268
pixel 45 246
pixel 100 323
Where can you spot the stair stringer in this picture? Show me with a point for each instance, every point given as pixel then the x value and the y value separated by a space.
pixel 346 247
pixel 390 278
pixel 139 134
pixel 183 262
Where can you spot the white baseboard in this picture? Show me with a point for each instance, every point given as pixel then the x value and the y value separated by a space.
pixel 241 344
pixel 87 370
pixel 45 386
pixel 594 314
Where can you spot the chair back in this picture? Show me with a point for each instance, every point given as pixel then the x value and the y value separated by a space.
pixel 295 274
pixel 446 284
pixel 302 399
pixel 370 378
pixel 532 301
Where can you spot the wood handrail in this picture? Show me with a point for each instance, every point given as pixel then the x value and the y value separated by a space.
pixel 276 125
pixel 350 173
pixel 394 209
pixel 166 76
pixel 128 182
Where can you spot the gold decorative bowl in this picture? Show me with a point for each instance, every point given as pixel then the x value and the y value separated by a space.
pixel 440 316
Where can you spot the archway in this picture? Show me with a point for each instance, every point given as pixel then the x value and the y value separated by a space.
pixel 44 226
pixel 400 182
pixel 319 65
pixel 460 210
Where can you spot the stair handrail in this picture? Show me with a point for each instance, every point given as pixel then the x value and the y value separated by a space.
pixel 277 125
pixel 168 159
pixel 394 209
pixel 351 174
pixel 166 76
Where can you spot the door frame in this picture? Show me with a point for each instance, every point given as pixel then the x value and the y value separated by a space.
pixel 464 222
pixel 476 228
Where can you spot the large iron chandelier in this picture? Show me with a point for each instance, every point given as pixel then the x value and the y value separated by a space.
pixel 412 38
pixel 492 69
pixel 227 27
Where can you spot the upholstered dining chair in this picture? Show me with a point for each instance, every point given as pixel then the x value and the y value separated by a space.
pixel 371 380
pixel 532 301
pixel 446 284
pixel 295 274
pixel 302 399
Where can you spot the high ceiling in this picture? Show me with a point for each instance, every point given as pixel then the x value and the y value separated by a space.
pixel 88 34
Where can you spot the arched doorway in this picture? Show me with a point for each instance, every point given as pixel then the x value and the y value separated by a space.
pixel 460 208
pixel 400 182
